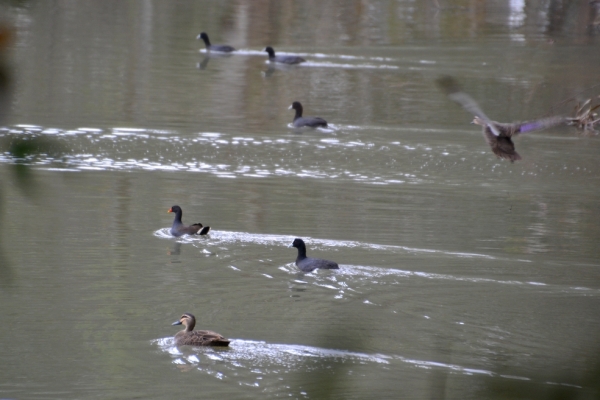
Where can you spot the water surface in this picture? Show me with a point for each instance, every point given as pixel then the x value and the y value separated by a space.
pixel 461 275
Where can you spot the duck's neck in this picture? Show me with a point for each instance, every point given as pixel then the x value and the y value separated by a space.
pixel 178 215
pixel 301 252
pixel 190 327
pixel 206 41
pixel 298 115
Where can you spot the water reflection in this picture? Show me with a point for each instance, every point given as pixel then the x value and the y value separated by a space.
pixel 229 156
pixel 517 13
pixel 204 63
pixel 176 249
pixel 262 364
pixel 594 18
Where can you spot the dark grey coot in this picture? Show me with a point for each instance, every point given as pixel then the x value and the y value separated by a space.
pixel 290 60
pixel 179 229
pixel 308 264
pixel 223 48
pixel 300 121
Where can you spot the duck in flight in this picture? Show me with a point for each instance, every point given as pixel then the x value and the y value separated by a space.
pixel 498 135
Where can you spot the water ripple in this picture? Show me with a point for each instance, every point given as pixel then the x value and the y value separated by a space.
pixel 353 278
pixel 250 362
pixel 217 153
pixel 229 237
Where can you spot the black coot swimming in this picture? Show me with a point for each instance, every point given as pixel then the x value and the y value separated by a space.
pixel 300 121
pixel 308 264
pixel 290 60
pixel 223 48
pixel 498 135
pixel 179 229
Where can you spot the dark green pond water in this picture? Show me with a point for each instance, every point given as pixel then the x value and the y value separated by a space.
pixel 461 275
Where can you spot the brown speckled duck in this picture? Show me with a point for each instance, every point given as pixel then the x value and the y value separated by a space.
pixel 179 229
pixel 189 336
pixel 498 135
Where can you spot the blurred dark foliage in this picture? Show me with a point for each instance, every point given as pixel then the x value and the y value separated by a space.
pixel 6 35
pixel 560 383
pixel 23 148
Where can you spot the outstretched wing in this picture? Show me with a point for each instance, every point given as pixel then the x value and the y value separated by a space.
pixel 452 89
pixel 539 124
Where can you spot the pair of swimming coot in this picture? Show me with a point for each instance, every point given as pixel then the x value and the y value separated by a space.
pixel 188 336
pixel 304 263
pixel 224 48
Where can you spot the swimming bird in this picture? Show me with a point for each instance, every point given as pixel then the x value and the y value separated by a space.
pixel 300 121
pixel 308 264
pixel 189 336
pixel 498 135
pixel 283 59
pixel 179 228
pixel 223 48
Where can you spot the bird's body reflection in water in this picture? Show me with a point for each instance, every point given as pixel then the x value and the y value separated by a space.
pixel 208 56
pixel 176 251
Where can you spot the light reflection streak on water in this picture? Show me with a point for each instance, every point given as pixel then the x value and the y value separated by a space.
pixel 261 359
pixel 118 149
pixel 227 237
pixel 355 274
pixel 248 52
pixel 373 62
pixel 347 66
pixel 232 156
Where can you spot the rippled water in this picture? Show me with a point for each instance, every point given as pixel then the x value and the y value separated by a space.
pixel 461 275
